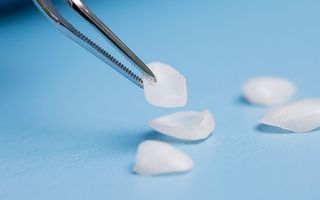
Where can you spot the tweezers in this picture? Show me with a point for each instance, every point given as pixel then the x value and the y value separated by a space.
pixel 49 10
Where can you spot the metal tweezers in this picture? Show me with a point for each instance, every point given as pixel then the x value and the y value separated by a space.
pixel 48 9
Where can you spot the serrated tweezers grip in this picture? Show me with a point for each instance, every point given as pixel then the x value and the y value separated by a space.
pixel 88 15
pixel 62 24
pixel 117 65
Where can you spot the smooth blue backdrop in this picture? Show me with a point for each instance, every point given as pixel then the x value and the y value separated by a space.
pixel 70 125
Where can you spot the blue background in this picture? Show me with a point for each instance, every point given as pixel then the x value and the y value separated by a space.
pixel 70 125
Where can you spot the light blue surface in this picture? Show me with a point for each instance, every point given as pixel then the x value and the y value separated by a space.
pixel 69 125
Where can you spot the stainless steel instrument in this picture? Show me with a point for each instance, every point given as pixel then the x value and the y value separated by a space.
pixel 49 10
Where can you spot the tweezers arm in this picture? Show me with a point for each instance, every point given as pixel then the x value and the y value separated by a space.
pixel 87 14
pixel 48 9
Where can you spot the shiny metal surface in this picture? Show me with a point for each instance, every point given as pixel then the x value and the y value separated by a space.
pixel 48 9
